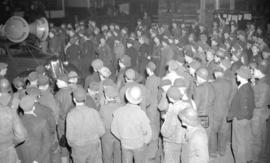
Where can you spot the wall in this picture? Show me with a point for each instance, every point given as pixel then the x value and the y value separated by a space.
pixel 77 3
pixel 89 3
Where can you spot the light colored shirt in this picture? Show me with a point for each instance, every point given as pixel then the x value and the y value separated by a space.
pixel 131 125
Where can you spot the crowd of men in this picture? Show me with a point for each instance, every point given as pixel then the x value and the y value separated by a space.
pixel 164 93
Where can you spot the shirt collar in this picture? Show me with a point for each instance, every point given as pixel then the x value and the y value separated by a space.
pixel 242 84
pixel 31 112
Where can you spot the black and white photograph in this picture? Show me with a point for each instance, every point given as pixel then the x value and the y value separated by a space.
pixel 134 81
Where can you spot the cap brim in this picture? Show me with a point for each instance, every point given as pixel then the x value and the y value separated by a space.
pixel 132 100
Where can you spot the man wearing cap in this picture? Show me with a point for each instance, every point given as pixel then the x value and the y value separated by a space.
pixel 203 42
pixel 119 51
pixel 172 74
pixel 105 53
pixel 6 89
pixel 110 145
pixel 130 76
pixel 64 100
pixel 45 112
pixel 189 53
pixel 183 85
pixel 131 125
pixel 167 54
pixel 46 97
pixel 256 56
pixel 215 43
pixel 251 31
pixel 87 53
pixel 163 102
pixel 196 138
pixel 233 27
pixel 152 84
pixel 73 79
pixel 204 94
pixel 96 65
pixel 226 65
pixel 156 54
pixel 219 134
pixel 210 60
pixel 241 112
pixel 172 130
pixel 19 85
pixel 41 110
pixel 33 79
pixel 238 56
pixel 221 53
pixel 132 52
pixel 37 147
pixel 3 70
pixel 124 64
pixel 260 113
pixel 241 35
pixel 104 74
pixel 73 51
pixel 193 67
pixel 129 81
pixel 84 128
pixel 92 96
pixel 11 129
pixel 144 53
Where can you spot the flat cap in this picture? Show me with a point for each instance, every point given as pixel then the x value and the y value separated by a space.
pixel 174 93
pixel 126 60
pixel 33 76
pixel 27 103
pixel 105 71
pixel 43 80
pixel 33 91
pixel 97 64
pixel 111 92
pixel 79 94
pixel 244 72
pixel 130 74
pixel 151 66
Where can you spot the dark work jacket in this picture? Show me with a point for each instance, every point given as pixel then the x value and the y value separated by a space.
pixel 243 103
pixel 144 52
pixel 46 113
pixel 204 97
pixel 73 55
pixel 38 144
pixel 133 54
pixel 64 99
pixel 224 92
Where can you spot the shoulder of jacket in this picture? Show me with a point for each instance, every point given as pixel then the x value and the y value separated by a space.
pixel 263 85
pixel 199 134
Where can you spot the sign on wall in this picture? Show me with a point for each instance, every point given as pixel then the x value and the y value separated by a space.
pixel 229 15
